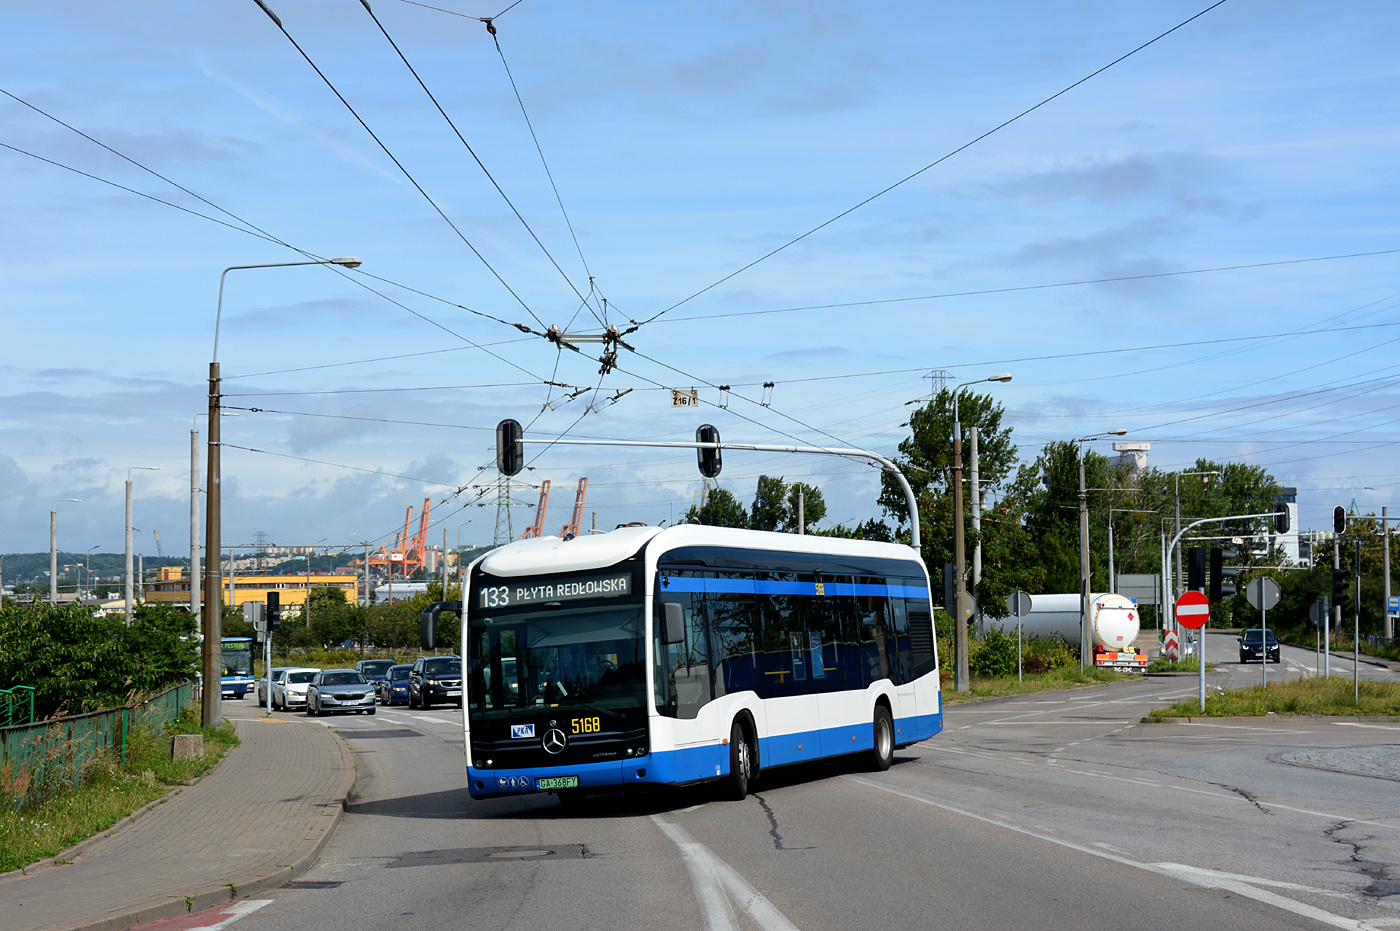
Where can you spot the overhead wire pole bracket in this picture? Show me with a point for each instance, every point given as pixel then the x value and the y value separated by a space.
pixel 848 453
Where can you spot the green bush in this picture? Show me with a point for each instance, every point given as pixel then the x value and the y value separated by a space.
pixel 1052 651
pixel 77 661
pixel 994 655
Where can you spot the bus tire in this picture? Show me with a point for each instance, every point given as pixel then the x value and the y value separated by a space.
pixel 883 754
pixel 741 760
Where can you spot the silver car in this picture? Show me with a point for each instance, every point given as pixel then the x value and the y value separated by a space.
pixel 289 691
pixel 333 690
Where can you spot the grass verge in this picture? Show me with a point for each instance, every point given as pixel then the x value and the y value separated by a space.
pixel 1066 677
pixel 1301 696
pixel 1188 664
pixel 110 792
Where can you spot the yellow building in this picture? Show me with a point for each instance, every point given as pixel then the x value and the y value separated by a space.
pixel 172 587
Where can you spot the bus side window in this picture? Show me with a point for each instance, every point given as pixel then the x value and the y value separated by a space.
pixel 735 632
pixel 922 651
pixel 874 633
pixel 903 670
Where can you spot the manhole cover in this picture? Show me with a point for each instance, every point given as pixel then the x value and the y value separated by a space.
pixel 489 855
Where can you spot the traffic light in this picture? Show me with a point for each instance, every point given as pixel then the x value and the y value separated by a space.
pixel 274 611
pixel 1222 577
pixel 1340 583
pixel 510 450
pixel 1339 519
pixel 1196 569
pixel 1281 518
pixel 950 587
pixel 710 462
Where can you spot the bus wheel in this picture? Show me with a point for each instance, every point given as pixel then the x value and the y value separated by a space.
pixel 740 764
pixel 883 754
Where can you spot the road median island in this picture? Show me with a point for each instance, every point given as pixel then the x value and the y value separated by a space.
pixel 1332 697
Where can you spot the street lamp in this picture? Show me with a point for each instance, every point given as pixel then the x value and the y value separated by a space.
pixel 213 581
pixel 1385 568
pixel 128 533
pixel 962 680
pixel 88 570
pixel 53 550
pixel 1084 545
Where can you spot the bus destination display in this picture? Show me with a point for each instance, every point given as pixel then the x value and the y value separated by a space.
pixel 538 591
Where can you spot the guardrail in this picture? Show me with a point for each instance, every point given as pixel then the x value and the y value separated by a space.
pixel 37 759
pixel 16 706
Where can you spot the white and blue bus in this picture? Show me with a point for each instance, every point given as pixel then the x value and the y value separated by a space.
pixel 690 654
pixel 237 661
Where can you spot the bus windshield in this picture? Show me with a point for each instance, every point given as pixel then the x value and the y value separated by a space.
pixel 238 658
pixel 579 657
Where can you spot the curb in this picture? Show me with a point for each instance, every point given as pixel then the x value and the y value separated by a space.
pixel 211 895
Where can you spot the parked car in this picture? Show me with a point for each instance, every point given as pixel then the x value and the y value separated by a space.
pixel 333 690
pixel 1256 644
pixel 261 687
pixel 435 678
pixel 374 670
pixel 290 691
pixel 393 689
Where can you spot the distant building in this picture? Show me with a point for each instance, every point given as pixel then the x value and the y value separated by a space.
pixel 173 587
pixel 1131 457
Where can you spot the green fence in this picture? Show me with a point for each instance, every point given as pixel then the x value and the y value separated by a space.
pixel 16 706
pixel 39 758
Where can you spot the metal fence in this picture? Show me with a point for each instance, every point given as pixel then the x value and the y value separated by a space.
pixel 16 706
pixel 39 758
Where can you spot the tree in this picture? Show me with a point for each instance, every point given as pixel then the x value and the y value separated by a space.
pixel 721 509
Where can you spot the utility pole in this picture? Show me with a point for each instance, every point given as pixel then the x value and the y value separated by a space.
pixel 194 523
pixel 1083 566
pixel 976 491
pixel 1385 560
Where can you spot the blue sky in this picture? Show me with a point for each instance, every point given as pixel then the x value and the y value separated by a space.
pixel 686 140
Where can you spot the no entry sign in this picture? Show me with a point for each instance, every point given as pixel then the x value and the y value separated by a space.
pixel 1192 610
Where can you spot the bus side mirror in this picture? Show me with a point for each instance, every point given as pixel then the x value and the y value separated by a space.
pixel 427 624
pixel 673 619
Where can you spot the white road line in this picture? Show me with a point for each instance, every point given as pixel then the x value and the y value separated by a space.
pixel 712 878
pixel 1196 876
pixel 1379 727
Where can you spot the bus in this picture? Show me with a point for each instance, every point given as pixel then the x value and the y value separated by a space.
pixel 689 654
pixel 237 664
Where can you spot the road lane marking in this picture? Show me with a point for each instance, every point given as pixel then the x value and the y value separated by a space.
pixel 713 878
pixel 1379 727
pixel 220 916
pixel 1207 879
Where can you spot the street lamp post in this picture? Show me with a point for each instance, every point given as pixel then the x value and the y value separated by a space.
pixel 53 550
pixel 213 581
pixel 1084 546
pixel 129 579
pixel 87 570
pixel 962 680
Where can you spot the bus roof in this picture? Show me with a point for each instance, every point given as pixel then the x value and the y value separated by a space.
pixel 552 554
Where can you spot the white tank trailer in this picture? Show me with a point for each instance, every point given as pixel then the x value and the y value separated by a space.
pixel 1113 627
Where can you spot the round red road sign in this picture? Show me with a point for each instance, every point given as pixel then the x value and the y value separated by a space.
pixel 1192 610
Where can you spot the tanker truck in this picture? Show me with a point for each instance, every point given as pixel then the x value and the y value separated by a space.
pixel 1113 627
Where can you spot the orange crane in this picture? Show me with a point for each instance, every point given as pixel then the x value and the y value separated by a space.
pixel 571 528
pixel 406 555
pixel 537 528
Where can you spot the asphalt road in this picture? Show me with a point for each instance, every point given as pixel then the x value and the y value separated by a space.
pixel 1057 810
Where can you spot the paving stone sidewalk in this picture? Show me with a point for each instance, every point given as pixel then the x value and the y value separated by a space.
pixel 260 818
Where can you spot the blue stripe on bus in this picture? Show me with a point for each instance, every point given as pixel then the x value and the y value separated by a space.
pixel 693 764
pixel 733 586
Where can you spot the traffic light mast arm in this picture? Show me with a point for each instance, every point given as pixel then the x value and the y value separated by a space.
pixel 852 453
pixel 1209 520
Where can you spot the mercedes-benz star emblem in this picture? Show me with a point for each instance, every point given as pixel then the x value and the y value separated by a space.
pixel 554 740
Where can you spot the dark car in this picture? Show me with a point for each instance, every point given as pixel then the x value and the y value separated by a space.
pixel 393 688
pixel 374 670
pixel 1256 643
pixel 335 690
pixel 435 679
